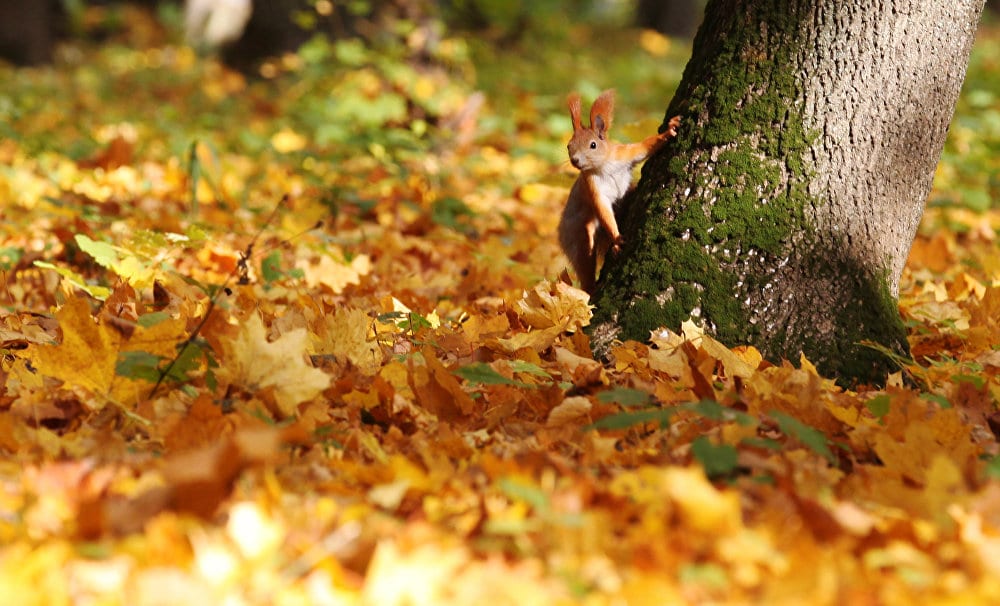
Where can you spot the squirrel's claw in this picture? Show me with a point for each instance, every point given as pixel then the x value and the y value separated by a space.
pixel 616 244
pixel 671 128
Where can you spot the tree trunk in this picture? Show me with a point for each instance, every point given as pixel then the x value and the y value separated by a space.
pixel 26 31
pixel 671 17
pixel 782 214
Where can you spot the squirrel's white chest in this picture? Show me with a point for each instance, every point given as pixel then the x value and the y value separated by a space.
pixel 612 185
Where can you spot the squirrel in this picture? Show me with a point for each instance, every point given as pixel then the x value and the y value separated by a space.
pixel 587 227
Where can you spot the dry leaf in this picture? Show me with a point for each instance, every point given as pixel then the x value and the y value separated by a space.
pixel 254 363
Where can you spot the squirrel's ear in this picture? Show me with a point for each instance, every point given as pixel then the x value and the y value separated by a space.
pixel 603 108
pixel 574 110
pixel 600 126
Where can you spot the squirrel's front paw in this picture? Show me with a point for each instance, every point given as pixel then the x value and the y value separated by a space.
pixel 671 128
pixel 616 244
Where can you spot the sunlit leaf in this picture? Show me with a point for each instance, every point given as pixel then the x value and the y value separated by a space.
pixel 98 292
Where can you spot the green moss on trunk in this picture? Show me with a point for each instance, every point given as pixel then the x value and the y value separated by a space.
pixel 719 219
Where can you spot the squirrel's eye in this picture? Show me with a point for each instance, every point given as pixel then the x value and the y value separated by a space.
pixel 593 145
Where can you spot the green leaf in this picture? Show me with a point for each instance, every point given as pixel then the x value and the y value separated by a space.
pixel 993 468
pixel 188 360
pixel 139 365
pixel 879 405
pixel 627 419
pixel 105 254
pixel 122 261
pixel 717 460
pixel 194 174
pixel 152 319
pixel 765 443
pixel 9 256
pixel 709 575
pixel 626 397
pixel 811 437
pixel 519 490
pixel 936 398
pixel 415 321
pixel 710 409
pixel 529 368
pixel 976 381
pixel 98 292
pixel 270 267
pixel 479 373
pixel 448 212
pixel 350 52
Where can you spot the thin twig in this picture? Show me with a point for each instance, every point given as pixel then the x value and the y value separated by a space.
pixel 241 269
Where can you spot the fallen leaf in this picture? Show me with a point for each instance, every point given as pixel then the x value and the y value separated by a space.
pixel 254 363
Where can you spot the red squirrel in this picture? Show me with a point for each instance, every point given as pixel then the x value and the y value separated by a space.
pixel 587 227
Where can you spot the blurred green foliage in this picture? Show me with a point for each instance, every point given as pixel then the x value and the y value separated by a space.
pixel 394 95
pixel 969 173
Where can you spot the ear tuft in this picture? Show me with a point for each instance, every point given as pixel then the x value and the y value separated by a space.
pixel 573 101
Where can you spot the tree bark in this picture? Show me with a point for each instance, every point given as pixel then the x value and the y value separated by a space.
pixel 782 214
pixel 671 17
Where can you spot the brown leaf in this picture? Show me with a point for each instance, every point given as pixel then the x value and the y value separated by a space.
pixel 437 390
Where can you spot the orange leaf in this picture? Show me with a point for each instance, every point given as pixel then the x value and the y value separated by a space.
pixel 438 390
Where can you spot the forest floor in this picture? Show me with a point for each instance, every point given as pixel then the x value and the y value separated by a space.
pixel 302 340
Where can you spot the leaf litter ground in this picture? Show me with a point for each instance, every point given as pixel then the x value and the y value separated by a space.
pixel 304 340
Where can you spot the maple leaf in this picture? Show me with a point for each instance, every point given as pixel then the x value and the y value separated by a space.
pixel 344 333
pixel 253 362
pixel 86 356
pixel 335 274
pixel 554 304
pixel 437 389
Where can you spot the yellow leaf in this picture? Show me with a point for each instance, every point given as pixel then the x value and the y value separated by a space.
pixel 703 507
pixel 538 193
pixel 345 334
pixel 654 43
pixel 254 363
pixel 255 532
pixel 333 274
pixel 87 354
pixel 286 140
pixel 571 362
pixel 421 575
pixel 554 304
pixel 734 364
pixel 537 340
pixel 570 411
pixel 691 331
pixel 966 286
